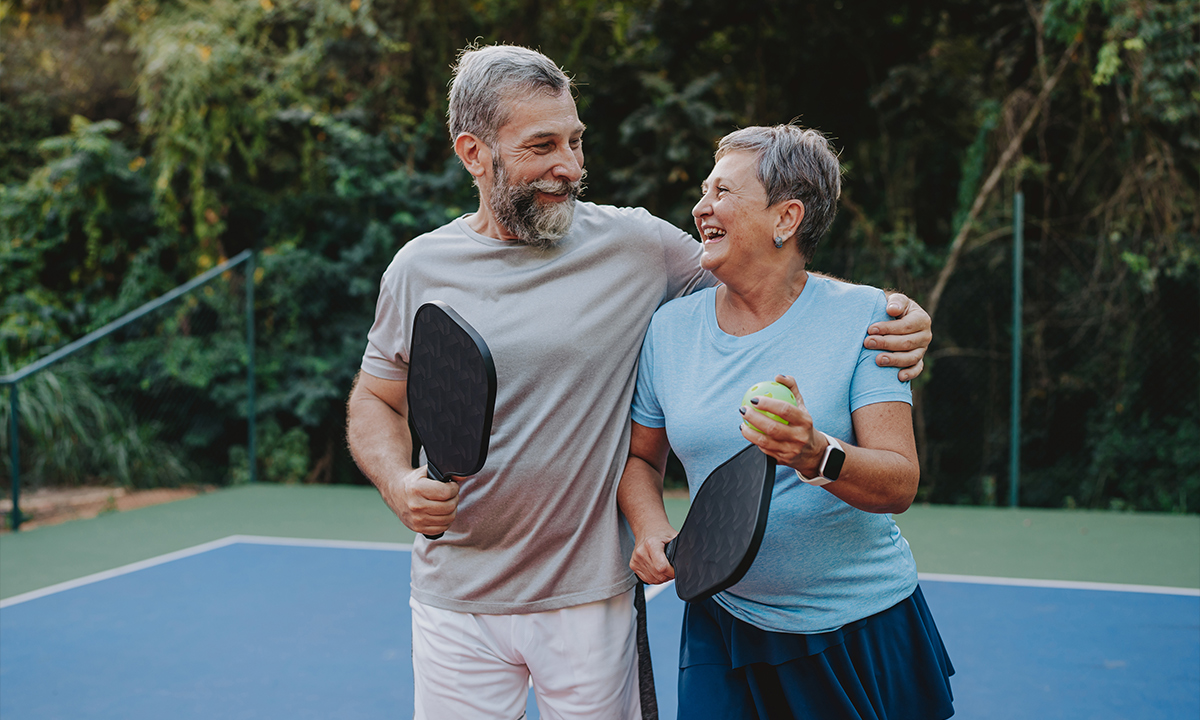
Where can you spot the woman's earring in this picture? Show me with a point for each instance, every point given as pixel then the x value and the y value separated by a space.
pixel 778 242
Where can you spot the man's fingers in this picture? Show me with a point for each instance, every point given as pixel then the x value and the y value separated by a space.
pixel 433 490
pixel 899 343
pixel 912 318
pixel 897 304
pixel 900 359
pixel 911 372
pixel 433 505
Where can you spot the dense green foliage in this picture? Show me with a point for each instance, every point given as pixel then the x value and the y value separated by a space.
pixel 143 141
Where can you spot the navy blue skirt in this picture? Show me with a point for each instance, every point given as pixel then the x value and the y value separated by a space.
pixel 889 666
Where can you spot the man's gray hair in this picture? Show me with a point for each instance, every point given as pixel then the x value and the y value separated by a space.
pixel 487 78
pixel 794 163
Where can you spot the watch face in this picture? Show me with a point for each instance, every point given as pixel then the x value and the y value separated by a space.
pixel 833 464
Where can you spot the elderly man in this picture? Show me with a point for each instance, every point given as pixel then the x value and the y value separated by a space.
pixel 531 582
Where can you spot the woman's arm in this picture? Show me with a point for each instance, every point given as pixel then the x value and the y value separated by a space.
pixel 640 499
pixel 880 474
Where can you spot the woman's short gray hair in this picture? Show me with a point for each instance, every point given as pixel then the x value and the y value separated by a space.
pixel 794 163
pixel 485 78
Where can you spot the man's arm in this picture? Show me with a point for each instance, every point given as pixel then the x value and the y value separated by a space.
pixel 905 339
pixel 377 431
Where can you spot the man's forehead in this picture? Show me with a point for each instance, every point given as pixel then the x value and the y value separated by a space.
pixel 537 115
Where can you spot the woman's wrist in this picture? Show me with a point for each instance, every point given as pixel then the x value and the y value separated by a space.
pixel 809 462
pixel 828 466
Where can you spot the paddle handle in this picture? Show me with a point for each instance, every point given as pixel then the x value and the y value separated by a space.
pixel 435 474
pixel 670 550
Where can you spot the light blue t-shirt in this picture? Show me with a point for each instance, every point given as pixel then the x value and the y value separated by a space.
pixel 822 563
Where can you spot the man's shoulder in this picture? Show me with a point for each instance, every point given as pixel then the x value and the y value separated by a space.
pixel 625 218
pixel 424 241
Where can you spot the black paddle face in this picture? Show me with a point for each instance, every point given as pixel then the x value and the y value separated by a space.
pixel 451 391
pixel 724 527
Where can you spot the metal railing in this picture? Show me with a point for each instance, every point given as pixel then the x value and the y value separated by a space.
pixel 13 380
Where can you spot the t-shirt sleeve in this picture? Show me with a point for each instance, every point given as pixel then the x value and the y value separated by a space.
pixel 873 384
pixel 646 409
pixel 681 257
pixel 386 355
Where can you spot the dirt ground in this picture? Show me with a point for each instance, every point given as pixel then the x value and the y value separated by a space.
pixel 51 506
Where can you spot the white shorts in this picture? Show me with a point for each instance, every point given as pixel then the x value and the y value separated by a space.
pixel 582 661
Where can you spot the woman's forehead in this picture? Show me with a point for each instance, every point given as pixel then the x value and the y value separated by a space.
pixel 739 167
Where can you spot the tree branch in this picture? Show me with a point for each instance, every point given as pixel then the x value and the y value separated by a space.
pixel 989 185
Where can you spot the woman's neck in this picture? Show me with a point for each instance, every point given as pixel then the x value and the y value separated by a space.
pixel 747 307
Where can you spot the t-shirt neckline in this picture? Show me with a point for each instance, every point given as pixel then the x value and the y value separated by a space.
pixel 779 326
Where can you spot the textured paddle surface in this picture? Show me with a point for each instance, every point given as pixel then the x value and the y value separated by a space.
pixel 451 390
pixel 724 526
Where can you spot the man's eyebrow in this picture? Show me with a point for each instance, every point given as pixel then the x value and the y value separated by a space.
pixel 545 134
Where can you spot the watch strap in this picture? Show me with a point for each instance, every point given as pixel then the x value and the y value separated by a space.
pixel 834 450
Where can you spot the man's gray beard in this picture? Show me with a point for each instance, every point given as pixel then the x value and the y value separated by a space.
pixel 515 206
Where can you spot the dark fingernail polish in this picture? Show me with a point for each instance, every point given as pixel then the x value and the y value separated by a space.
pixel 753 401
pixel 742 410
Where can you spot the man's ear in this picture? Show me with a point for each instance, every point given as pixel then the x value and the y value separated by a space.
pixel 475 155
pixel 791 214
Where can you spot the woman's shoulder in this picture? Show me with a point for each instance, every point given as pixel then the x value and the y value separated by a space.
pixel 843 287
pixel 834 289
pixel 684 309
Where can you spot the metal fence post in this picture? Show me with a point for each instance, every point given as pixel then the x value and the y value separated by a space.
pixel 15 452
pixel 251 410
pixel 1014 441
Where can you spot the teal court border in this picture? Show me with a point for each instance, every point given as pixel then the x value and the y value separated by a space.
pixel 1029 544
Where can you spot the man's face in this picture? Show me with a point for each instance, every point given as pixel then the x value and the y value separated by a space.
pixel 537 169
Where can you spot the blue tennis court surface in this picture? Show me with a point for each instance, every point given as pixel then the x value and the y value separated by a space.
pixel 262 628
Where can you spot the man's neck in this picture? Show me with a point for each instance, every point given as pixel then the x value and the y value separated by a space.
pixel 485 223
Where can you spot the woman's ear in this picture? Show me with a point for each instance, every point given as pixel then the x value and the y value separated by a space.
pixel 474 154
pixel 791 214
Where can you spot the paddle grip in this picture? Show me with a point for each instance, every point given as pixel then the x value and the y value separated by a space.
pixel 670 550
pixel 435 474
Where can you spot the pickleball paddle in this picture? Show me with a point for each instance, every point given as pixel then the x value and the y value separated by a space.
pixel 724 526
pixel 451 392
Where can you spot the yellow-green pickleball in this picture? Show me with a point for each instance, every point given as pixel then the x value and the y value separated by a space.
pixel 772 390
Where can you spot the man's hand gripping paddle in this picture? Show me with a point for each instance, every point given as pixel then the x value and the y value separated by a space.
pixel 451 392
pixel 724 527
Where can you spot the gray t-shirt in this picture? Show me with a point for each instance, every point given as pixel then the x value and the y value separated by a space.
pixel 538 528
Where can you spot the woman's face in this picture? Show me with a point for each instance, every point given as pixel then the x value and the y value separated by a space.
pixel 733 218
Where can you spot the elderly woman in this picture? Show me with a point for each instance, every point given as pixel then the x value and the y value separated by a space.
pixel 829 622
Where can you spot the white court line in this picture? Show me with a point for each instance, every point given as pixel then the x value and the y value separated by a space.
pixel 196 550
pixel 307 542
pixel 1062 584
pixel 651 592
